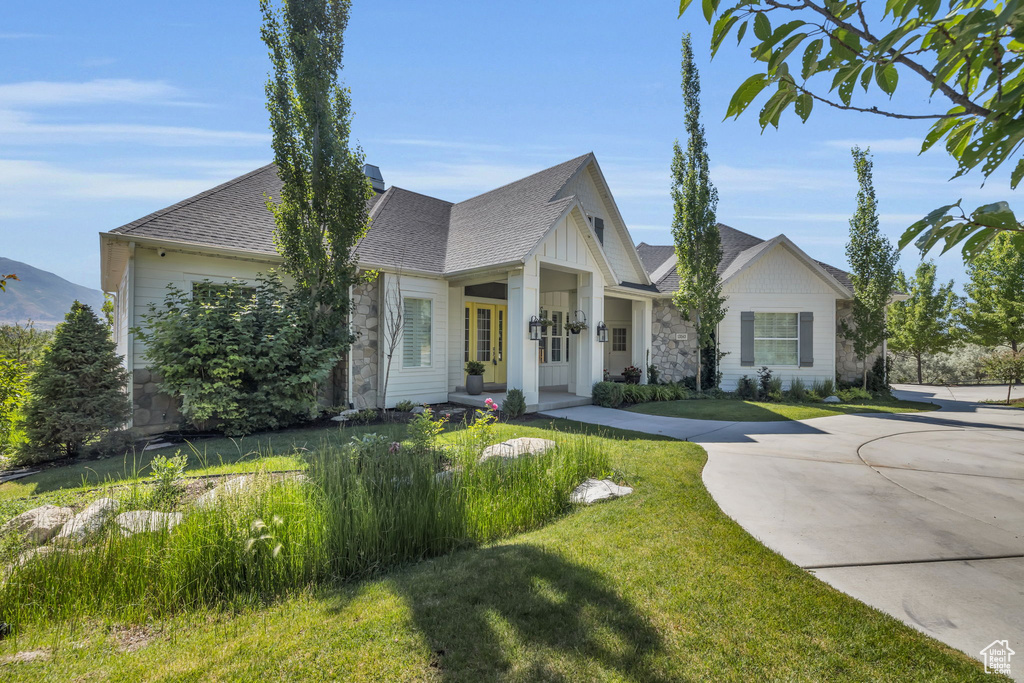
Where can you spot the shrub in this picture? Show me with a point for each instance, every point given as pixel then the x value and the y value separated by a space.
pixel 237 355
pixel 797 390
pixel 607 394
pixel 78 390
pixel 405 406
pixel 958 366
pixel 854 394
pixel 13 392
pixel 678 391
pixel 637 393
pixel 514 405
pixel 880 370
pixel 631 374
pixel 166 476
pixel 1007 366
pixel 423 430
pixel 824 387
pixel 475 367
pixel 746 389
pixel 364 417
pixel 764 381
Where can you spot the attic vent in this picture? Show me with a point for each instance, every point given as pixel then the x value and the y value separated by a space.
pixel 599 229
pixel 376 179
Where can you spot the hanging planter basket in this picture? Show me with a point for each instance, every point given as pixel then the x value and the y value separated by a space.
pixel 578 322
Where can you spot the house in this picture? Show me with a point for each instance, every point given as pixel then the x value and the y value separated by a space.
pixel 472 276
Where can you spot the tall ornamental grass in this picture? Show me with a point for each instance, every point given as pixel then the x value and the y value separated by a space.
pixel 364 508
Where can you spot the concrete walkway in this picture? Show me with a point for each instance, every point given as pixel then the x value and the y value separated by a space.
pixel 920 515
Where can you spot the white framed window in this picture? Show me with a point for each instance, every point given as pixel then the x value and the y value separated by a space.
pixel 554 339
pixel 776 339
pixel 417 327
pixel 619 336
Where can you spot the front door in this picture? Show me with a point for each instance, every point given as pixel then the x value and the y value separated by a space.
pixel 486 340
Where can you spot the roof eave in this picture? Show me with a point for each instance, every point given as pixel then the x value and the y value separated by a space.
pixel 184 245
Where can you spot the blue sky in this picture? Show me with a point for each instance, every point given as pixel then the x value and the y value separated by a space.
pixel 109 112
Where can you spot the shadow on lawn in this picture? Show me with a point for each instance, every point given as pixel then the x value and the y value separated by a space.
pixel 494 600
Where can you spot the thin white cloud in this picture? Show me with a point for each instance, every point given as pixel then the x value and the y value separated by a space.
pixel 99 91
pixel 18 128
pixel 883 145
pixel 457 181
pixel 26 187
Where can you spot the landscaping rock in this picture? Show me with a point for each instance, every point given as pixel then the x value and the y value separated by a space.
pixel 344 415
pixel 594 490
pixel 418 410
pixel 513 448
pixel 157 444
pixel 831 399
pixel 40 524
pixel 232 487
pixel 138 521
pixel 79 528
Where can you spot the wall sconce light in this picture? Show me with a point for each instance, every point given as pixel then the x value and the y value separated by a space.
pixel 602 332
pixel 534 328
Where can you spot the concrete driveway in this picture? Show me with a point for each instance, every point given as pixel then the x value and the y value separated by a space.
pixel 920 515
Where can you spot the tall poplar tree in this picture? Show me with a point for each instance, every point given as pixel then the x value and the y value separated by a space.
pixel 994 311
pixel 923 323
pixel 694 226
pixel 873 267
pixel 322 211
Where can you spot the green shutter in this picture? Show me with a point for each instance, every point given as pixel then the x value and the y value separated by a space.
pixel 747 338
pixel 807 339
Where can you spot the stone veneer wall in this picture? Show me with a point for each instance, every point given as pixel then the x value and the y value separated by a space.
pixel 364 351
pixel 848 368
pixel 152 410
pixel 675 359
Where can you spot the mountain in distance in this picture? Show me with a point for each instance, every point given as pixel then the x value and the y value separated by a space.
pixel 41 296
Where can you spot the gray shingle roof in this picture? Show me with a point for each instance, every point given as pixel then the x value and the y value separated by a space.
pixel 738 248
pixel 409 230
pixel 513 218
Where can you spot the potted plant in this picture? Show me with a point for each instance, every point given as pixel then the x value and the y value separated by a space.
pixel 474 378
pixel 631 374
pixel 578 322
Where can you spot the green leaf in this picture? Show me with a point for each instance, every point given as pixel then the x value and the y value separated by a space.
pixel 802 106
pixel 683 5
pixel 865 77
pixel 928 221
pixel 780 55
pixel 762 27
pixel 710 7
pixel 810 61
pixel 1017 174
pixel 887 77
pixel 997 215
pixel 940 128
pixel 740 32
pixel 746 93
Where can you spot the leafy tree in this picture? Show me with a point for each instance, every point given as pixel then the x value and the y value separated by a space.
pixel 1006 365
pixel 994 311
pixel 78 390
pixel 322 212
pixel 235 354
pixel 873 267
pixel 694 227
pixel 968 53
pixel 20 349
pixel 923 324
pixel 23 343
pixel 108 310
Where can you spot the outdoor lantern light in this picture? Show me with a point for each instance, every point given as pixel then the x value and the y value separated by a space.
pixel 602 332
pixel 534 328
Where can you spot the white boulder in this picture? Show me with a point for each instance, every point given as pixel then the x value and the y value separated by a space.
pixel 40 524
pixel 139 521
pixel 232 487
pixel 344 415
pixel 513 448
pixel 831 399
pixel 594 490
pixel 87 522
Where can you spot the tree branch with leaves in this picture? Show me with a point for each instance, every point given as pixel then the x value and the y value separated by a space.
pixel 969 53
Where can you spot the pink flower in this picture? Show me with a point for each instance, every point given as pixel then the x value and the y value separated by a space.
pixel 394 447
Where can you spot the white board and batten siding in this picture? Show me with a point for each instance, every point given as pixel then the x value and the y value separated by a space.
pixel 554 374
pixel 427 382
pixel 154 273
pixel 779 282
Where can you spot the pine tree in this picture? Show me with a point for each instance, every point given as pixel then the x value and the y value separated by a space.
pixel 694 226
pixel 78 390
pixel 873 267
pixel 994 312
pixel 923 323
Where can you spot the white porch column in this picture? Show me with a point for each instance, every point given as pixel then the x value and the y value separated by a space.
pixel 590 352
pixel 641 335
pixel 523 302
pixel 456 337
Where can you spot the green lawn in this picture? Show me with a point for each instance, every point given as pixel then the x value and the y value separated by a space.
pixel 730 410
pixel 658 586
